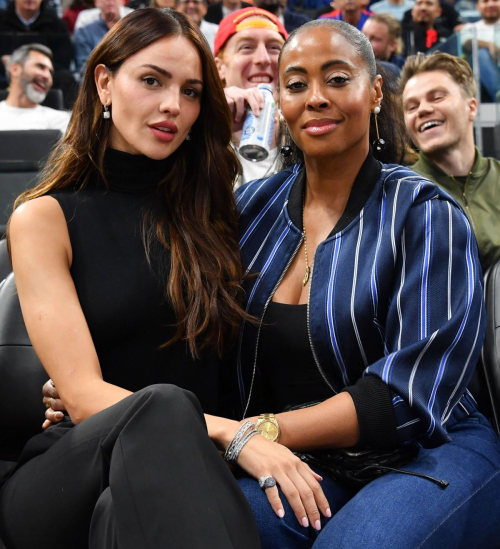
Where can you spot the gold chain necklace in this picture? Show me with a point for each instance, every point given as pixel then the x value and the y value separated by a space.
pixel 305 280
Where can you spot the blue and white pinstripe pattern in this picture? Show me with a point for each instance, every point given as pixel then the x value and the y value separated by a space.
pixel 396 294
pixel 330 312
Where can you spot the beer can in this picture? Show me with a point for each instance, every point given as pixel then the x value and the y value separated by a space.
pixel 257 132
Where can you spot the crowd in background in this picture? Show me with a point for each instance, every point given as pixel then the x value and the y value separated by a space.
pixel 396 28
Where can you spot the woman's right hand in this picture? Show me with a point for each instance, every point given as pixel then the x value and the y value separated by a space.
pixel 53 403
pixel 298 482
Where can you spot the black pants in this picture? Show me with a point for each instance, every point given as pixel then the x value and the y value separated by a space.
pixel 142 474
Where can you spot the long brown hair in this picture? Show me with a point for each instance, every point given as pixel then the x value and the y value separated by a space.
pixel 197 220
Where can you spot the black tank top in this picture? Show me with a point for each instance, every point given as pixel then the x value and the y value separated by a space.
pixel 289 373
pixel 120 293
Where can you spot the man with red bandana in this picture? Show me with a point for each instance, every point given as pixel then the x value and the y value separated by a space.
pixel 246 48
pixel 422 32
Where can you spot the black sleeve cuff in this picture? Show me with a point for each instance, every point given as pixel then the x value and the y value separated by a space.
pixel 376 417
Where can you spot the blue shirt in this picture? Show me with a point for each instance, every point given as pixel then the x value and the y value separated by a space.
pixel 86 39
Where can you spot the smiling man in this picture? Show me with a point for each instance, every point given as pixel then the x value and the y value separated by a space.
pixel 440 107
pixel 30 71
pixel 246 48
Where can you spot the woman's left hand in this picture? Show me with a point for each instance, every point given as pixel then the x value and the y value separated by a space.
pixel 298 482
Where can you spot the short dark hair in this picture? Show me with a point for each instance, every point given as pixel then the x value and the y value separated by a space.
pixel 22 53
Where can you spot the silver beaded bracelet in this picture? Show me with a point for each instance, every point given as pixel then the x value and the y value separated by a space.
pixel 242 436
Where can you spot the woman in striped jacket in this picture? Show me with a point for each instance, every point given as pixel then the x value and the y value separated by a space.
pixel 366 279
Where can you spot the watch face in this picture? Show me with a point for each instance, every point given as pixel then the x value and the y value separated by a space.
pixel 268 430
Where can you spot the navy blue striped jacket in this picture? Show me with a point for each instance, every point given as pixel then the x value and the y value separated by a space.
pixel 395 297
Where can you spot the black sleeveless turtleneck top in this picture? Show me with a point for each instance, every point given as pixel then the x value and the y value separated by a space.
pixel 121 297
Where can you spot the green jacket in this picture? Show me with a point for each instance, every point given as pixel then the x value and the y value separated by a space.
pixel 479 197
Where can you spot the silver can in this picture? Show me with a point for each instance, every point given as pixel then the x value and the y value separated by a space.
pixel 257 132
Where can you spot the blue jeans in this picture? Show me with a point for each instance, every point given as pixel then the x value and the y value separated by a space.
pixel 399 511
pixel 489 73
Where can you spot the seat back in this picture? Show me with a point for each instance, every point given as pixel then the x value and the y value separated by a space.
pixel 22 154
pixel 54 98
pixel 21 377
pixel 489 369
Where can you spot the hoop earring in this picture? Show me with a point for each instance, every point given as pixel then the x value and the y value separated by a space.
pixel 105 113
pixel 379 144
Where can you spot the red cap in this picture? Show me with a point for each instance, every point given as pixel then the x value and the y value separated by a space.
pixel 233 23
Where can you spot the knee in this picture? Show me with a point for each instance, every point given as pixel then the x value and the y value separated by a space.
pixel 168 396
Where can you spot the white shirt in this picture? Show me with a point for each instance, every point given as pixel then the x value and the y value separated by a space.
pixel 209 30
pixel 39 118
pixel 89 16
pixel 258 170
pixel 484 32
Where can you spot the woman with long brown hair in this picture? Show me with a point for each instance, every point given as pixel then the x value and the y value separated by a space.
pixel 128 272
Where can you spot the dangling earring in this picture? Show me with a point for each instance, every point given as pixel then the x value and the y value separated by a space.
pixel 188 136
pixel 378 144
pixel 285 150
pixel 105 113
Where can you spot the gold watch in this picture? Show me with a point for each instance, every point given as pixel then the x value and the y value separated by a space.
pixel 268 426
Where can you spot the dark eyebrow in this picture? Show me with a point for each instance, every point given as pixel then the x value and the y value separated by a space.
pixel 169 75
pixel 324 66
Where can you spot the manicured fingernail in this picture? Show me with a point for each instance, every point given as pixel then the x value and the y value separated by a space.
pixel 317 525
pixel 281 513
pixel 328 513
pixel 305 522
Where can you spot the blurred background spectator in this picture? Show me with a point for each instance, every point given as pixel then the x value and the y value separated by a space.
pixel 422 30
pixel 27 21
pixel 291 19
pixel 489 51
pixel 196 10
pixel 350 11
pixel 71 13
pixel 397 8
pixel 88 36
pixel 384 33
pixel 217 11
pixel 30 77
pixel 85 17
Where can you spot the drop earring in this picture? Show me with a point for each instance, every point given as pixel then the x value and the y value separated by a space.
pixel 188 136
pixel 378 144
pixel 105 113
pixel 286 150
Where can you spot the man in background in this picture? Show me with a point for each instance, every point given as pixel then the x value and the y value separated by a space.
pixel 423 31
pixel 439 108
pixel 246 49
pixel 384 33
pixel 487 32
pixel 218 10
pixel 196 11
pixel 30 74
pixel 350 11
pixel 86 38
pixel 27 21
pixel 396 8
pixel 291 19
